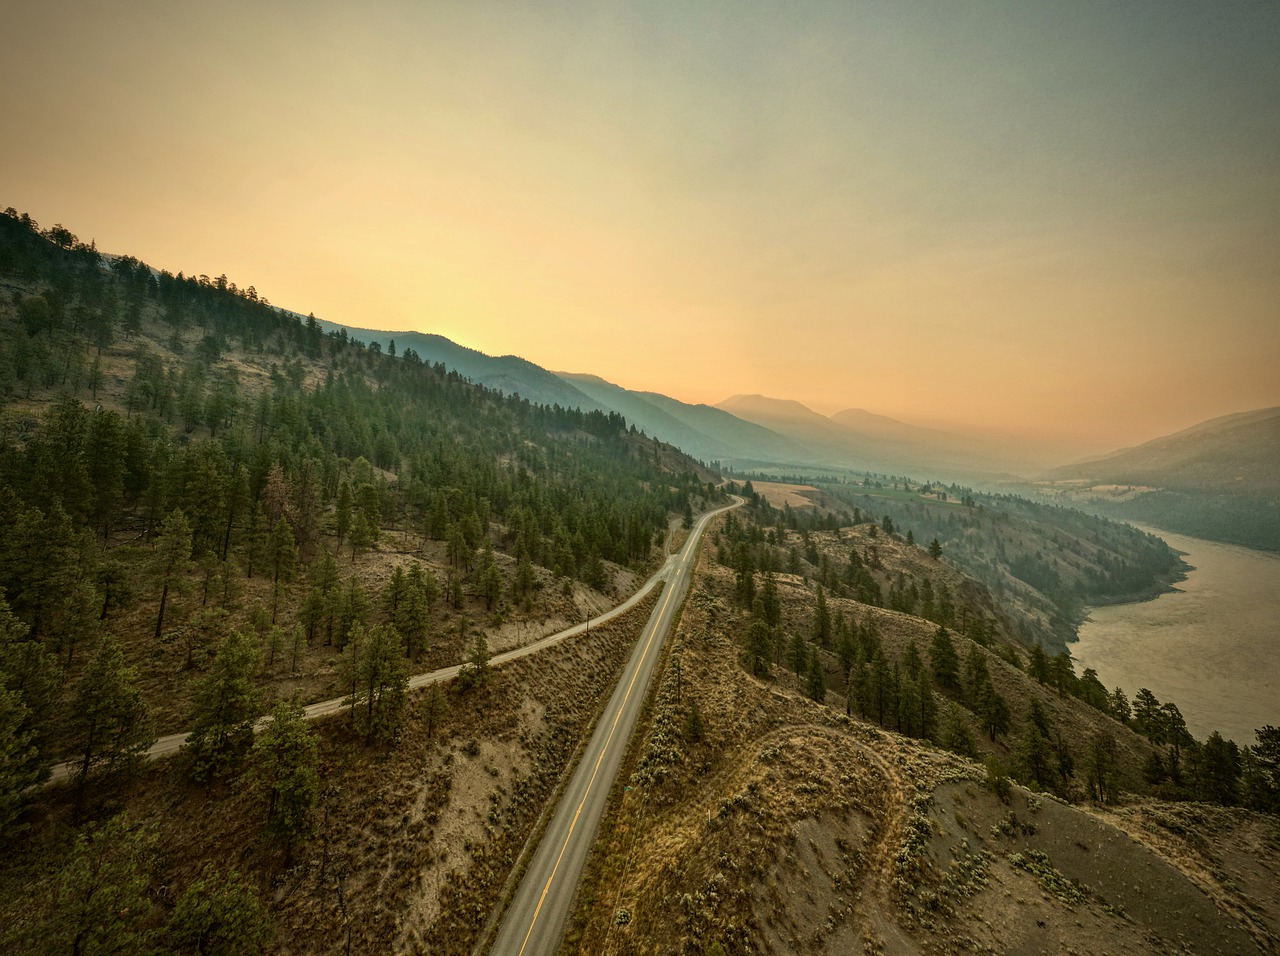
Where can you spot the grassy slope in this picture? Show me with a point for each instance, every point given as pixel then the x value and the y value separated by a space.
pixel 791 828
pixel 418 840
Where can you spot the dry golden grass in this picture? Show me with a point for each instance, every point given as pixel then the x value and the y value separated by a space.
pixel 415 843
pixel 789 828
pixel 779 494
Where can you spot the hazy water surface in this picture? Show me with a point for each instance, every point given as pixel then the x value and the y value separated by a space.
pixel 1213 648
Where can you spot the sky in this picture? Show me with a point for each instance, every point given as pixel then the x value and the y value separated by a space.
pixel 1058 221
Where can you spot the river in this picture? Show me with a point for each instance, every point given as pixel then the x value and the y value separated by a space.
pixel 1212 647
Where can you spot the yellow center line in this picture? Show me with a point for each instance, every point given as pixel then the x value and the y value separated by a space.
pixel 592 782
pixel 573 823
pixel 621 706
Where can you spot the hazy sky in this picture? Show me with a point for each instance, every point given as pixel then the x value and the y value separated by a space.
pixel 1060 218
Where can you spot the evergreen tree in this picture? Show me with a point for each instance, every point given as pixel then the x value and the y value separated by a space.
pixel 413 617
pixel 226 707
pixel 434 707
pixel 976 677
pixel 994 711
pixel 1035 750
pixel 285 767
pixel 1146 715
pixel 1038 666
pixel 799 654
pixel 1219 767
pixel 822 620
pixel 1118 704
pixel 956 734
pixel 878 691
pixel 846 647
pixel 1102 767
pixel 282 553
pixel 928 708
pixel 380 684
pixel 477 668
pixel 219 915
pixel 816 682
pixel 30 688
pixel 110 723
pixel 171 560
pixel 100 901
pixel 1062 674
pixel 19 760
pixel 770 605
pixel 491 578
pixel 944 660
pixel 758 650
pixel 1264 777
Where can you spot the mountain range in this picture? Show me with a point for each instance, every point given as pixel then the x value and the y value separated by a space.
pixel 1219 479
pixel 743 431
pixel 1233 454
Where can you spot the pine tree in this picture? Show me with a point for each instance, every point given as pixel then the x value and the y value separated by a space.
pixel 1102 767
pixel 110 723
pixel 976 677
pixel 956 734
pixel 171 560
pixel 758 651
pixel 1063 674
pixel 491 578
pixel 799 654
pixel 770 605
pixel 284 765
pixel 19 760
pixel 878 690
pixel 380 684
pixel 219 913
pixel 30 689
pixel 226 707
pixel 821 620
pixel 100 901
pixel 434 707
pixel 944 660
pixel 1146 715
pixel 282 553
pixel 994 712
pixel 816 683
pixel 928 708
pixel 1118 705
pixel 1035 750
pixel 477 667
pixel 1038 666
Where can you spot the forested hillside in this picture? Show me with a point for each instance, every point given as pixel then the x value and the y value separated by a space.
pixel 1218 480
pixel 1043 564
pixel 184 467
pixel 848 753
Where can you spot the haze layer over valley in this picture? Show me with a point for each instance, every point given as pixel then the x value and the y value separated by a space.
pixel 858 585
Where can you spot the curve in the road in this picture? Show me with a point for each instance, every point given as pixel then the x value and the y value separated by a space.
pixel 170 744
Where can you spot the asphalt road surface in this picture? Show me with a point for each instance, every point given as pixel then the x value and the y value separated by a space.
pixel 534 922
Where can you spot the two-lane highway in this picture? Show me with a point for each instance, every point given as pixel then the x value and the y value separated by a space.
pixel 534 922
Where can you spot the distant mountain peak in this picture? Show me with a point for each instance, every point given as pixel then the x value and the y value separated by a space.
pixel 774 407
pixel 861 418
